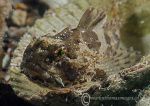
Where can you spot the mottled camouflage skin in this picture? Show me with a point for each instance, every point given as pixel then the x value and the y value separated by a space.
pixel 73 56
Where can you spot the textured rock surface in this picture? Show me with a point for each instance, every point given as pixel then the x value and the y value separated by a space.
pixel 145 100
pixel 5 8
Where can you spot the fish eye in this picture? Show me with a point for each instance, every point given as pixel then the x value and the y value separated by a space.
pixel 61 52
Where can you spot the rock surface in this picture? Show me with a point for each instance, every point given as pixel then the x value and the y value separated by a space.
pixel 5 8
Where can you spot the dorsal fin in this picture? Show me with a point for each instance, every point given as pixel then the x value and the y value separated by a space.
pixel 91 18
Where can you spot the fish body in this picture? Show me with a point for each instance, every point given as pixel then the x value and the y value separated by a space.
pixel 74 56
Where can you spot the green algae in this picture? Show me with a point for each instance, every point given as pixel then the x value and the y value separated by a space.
pixel 135 30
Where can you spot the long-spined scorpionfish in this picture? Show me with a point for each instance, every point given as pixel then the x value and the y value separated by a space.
pixel 77 56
